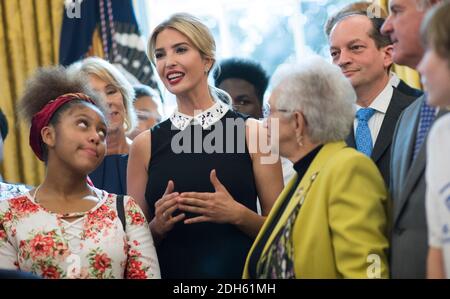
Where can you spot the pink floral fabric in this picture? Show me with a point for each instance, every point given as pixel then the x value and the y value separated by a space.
pixel 95 245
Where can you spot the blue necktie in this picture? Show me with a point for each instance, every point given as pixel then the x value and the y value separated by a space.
pixel 427 115
pixel 363 138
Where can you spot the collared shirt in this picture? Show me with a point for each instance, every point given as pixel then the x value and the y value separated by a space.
pixel 380 104
pixel 394 80
pixel 205 118
pixel 438 188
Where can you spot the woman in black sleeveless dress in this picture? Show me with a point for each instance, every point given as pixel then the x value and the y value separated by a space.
pixel 199 173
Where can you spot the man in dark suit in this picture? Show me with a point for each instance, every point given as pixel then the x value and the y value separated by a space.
pixel 365 57
pixel 408 90
pixel 370 9
pixel 407 184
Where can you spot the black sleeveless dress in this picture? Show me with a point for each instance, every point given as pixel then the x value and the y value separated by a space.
pixel 111 174
pixel 203 250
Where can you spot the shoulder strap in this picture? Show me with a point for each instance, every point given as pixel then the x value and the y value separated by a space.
pixel 121 210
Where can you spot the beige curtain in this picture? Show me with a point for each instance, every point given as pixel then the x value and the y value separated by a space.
pixel 29 38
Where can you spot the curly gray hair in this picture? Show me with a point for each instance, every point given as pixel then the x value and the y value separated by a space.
pixel 320 90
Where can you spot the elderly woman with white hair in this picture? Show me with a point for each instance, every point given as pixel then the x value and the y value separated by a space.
pixel 331 219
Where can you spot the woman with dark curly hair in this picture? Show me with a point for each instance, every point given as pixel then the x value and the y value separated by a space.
pixel 65 228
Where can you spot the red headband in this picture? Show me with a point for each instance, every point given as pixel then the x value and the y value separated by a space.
pixel 42 118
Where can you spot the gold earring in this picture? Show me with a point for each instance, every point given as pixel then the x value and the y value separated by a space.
pixel 126 125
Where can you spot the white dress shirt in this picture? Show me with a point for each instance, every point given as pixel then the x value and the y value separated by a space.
pixel 438 188
pixel 380 105
pixel 394 79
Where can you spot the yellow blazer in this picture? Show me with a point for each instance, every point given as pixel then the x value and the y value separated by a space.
pixel 341 228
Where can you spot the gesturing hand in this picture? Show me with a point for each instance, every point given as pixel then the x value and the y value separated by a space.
pixel 163 221
pixel 218 207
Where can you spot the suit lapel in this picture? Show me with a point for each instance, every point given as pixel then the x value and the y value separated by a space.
pixel 404 155
pixel 414 173
pixel 408 90
pixel 397 104
pixel 417 168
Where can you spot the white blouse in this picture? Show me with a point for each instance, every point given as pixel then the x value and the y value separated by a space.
pixel 205 118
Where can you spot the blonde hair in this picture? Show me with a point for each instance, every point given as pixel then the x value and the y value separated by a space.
pixel 198 34
pixel 435 31
pixel 110 74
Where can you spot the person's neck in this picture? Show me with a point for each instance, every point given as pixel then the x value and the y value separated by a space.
pixel 61 183
pixel 414 61
pixel 117 143
pixel 190 103
pixel 368 93
pixel 299 152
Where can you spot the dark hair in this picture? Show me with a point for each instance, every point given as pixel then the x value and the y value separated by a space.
pixel 144 90
pixel 245 69
pixel 3 125
pixel 362 9
pixel 49 83
pixel 435 30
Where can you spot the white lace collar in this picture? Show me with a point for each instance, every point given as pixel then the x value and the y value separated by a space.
pixel 205 118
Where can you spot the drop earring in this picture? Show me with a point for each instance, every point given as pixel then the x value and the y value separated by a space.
pixel 300 140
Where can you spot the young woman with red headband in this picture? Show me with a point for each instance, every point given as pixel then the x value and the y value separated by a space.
pixel 66 228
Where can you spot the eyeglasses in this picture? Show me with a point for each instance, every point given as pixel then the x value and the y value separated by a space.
pixel 268 110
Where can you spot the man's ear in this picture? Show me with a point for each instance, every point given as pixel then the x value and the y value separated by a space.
pixel 48 135
pixel 388 52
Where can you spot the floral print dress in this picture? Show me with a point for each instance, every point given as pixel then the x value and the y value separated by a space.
pixel 95 245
